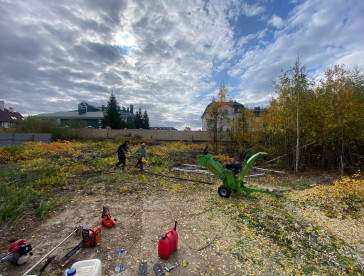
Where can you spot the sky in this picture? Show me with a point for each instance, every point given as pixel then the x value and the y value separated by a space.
pixel 167 57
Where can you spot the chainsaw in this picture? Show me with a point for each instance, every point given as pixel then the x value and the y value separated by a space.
pixel 90 238
pixel 107 220
pixel 19 252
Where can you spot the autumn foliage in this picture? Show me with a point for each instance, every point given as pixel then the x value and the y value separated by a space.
pixel 328 114
pixel 344 198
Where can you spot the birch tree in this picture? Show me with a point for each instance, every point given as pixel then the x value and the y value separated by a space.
pixel 291 90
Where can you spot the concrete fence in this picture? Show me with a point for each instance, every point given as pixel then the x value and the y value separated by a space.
pixel 155 135
pixel 21 138
pixel 93 133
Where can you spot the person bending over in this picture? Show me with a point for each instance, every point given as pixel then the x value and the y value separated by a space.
pixel 141 153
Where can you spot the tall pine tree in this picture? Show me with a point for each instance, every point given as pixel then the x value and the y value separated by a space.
pixel 112 114
pixel 138 120
pixel 145 120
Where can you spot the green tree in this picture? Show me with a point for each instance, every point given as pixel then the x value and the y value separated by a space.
pixel 112 116
pixel 127 125
pixel 340 96
pixel 138 119
pixel 327 117
pixel 239 131
pixel 292 90
pixel 145 120
pixel 37 125
pixel 73 123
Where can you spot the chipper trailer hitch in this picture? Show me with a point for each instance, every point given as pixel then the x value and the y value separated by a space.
pixel 232 181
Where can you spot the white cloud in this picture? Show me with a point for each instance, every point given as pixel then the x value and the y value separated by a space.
pixel 276 21
pixel 146 52
pixel 252 10
pixel 319 32
pixel 165 56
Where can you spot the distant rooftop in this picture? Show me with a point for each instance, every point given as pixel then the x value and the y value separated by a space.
pixel 9 115
pixel 234 104
pixel 72 115
pixel 162 128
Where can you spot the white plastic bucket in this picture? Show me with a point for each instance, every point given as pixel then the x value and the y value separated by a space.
pixel 91 267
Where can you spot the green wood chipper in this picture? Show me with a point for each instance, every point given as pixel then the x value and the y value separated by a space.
pixel 232 180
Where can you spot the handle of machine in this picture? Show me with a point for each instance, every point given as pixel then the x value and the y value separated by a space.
pixel 30 269
pixel 46 264
pixel 250 163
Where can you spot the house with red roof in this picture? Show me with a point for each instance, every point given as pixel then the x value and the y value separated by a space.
pixel 8 117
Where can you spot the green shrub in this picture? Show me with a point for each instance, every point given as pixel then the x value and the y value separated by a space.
pixel 33 124
pixel 45 207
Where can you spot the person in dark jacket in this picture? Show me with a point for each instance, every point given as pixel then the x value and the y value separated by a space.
pixel 122 149
pixel 247 154
pixel 205 150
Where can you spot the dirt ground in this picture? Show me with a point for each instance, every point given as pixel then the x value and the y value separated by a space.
pixel 145 210
pixel 142 216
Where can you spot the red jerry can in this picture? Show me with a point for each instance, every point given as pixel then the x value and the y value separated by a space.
pixel 172 235
pixel 168 243
pixel 164 247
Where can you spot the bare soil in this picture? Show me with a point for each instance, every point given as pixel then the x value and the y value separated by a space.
pixel 142 216
pixel 145 210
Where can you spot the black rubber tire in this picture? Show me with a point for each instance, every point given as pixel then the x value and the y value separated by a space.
pixel 224 191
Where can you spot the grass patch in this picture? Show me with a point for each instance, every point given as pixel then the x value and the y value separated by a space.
pixel 45 207
pixel 16 192
pixel 84 183
pixel 14 201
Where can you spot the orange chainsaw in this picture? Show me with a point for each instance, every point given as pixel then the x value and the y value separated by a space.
pixel 90 237
pixel 107 220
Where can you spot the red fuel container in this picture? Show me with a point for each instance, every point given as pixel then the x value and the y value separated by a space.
pixel 168 243
pixel 164 247
pixel 172 235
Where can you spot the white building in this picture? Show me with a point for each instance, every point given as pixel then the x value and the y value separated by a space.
pixel 229 111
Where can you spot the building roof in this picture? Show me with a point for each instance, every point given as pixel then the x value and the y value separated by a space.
pixel 72 115
pixel 84 111
pixel 84 107
pixel 162 128
pixel 10 117
pixel 234 104
pixel 257 110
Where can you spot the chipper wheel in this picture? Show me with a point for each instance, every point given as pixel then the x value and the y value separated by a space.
pixel 224 191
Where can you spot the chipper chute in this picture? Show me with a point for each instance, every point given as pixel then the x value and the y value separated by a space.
pixel 231 180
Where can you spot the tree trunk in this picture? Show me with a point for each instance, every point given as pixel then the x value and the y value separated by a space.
pixel 342 150
pixel 298 134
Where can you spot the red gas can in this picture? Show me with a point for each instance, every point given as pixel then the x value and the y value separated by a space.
pixel 164 247
pixel 172 235
pixel 168 243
